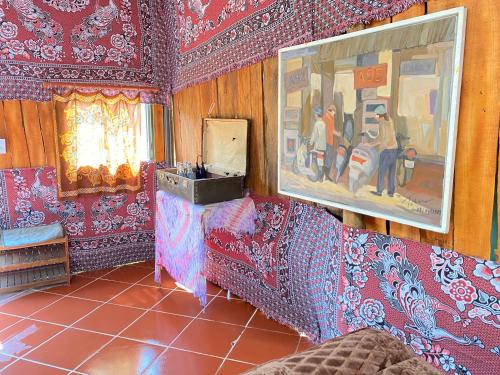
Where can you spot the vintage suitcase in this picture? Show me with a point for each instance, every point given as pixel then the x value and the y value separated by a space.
pixel 224 149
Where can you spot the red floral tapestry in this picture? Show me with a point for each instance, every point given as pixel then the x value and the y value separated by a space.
pixel 103 230
pixel 118 42
pixel 216 37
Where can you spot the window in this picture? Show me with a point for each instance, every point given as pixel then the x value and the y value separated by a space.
pixel 101 143
pixel 146 151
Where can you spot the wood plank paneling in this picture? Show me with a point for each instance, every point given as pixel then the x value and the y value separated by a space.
pixel 16 137
pixel 477 128
pixel 28 128
pixel 477 141
pixel 46 113
pixel 188 124
pixel 158 129
pixel 239 95
pixel 32 131
pixel 258 173
pixel 270 95
pixel 5 159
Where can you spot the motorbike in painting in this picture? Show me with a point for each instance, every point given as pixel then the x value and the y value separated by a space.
pixel 309 162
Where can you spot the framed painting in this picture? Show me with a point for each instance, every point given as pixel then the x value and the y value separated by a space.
pixel 368 120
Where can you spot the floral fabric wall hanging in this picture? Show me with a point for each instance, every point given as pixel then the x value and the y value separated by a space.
pixel 216 37
pixel 116 42
pixel 98 142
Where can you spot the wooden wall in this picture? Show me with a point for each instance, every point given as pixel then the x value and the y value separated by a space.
pixel 252 93
pixel 28 128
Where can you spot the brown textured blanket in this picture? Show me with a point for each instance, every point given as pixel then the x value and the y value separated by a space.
pixel 364 352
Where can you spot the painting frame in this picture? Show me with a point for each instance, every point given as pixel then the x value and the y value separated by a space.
pixel 443 224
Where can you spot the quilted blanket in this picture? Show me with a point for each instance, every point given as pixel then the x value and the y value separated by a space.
pixel 364 352
pixel 103 230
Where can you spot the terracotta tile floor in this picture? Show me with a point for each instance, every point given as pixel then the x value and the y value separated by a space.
pixel 116 321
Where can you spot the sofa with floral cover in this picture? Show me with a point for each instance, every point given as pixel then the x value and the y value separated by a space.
pixel 307 270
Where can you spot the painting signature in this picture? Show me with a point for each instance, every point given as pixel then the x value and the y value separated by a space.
pixel 411 201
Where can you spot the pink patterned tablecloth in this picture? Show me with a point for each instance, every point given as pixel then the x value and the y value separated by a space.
pixel 180 235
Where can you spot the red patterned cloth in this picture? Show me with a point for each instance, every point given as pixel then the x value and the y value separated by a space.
pixel 305 269
pixel 216 37
pixel 117 42
pixel 287 268
pixel 103 230
pixel 444 305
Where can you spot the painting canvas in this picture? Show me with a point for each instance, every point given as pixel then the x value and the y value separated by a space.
pixel 368 120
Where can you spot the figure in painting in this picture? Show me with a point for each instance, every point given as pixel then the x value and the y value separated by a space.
pixel 318 136
pixel 331 141
pixel 388 146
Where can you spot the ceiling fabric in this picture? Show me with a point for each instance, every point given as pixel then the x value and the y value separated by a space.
pixel 216 37
pixel 107 42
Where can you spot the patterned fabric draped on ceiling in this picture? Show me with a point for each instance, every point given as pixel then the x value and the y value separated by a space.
pixel 118 42
pixel 170 44
pixel 216 37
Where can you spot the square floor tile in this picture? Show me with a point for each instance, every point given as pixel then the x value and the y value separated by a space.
pixel 5 361
pixel 140 296
pixel 25 335
pixel 101 290
pixel 150 264
pixel 97 273
pixel 214 290
pixel 76 283
pixel 234 311
pixel 31 368
pixel 27 304
pixel 166 281
pixel 68 349
pixel 260 320
pixel 185 363
pixel 6 296
pixel 128 274
pixel 157 328
pixel 110 319
pixel 233 368
pixel 121 357
pixel 7 320
pixel 66 311
pixel 208 337
pixel 258 346
pixel 182 303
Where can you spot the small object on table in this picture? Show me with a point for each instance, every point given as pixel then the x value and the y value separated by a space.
pixel 223 165
pixel 203 170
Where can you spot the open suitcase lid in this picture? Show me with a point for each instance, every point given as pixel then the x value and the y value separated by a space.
pixel 225 145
